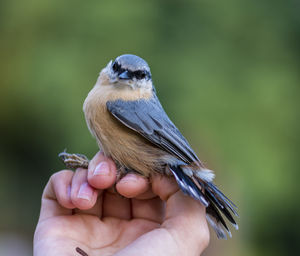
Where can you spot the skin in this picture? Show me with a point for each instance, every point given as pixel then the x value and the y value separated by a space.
pixel 83 210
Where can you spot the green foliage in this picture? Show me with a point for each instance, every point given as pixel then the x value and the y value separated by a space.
pixel 226 72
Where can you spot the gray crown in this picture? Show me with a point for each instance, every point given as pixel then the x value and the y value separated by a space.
pixel 132 62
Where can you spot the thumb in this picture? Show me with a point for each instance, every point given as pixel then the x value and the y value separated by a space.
pixel 185 217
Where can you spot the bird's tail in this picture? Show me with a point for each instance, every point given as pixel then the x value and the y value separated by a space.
pixel 199 186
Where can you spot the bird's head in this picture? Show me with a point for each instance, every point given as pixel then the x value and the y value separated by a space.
pixel 128 71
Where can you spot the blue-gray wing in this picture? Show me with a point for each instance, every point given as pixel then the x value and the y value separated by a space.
pixel 148 118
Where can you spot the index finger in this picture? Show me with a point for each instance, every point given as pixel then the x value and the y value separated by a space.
pixel 56 196
pixel 101 172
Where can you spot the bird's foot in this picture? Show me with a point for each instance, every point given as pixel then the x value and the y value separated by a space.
pixel 123 171
pixel 74 161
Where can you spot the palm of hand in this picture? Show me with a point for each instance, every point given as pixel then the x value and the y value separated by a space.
pixel 91 234
pixel 110 223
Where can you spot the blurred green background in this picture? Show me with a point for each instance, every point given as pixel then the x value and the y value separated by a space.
pixel 227 73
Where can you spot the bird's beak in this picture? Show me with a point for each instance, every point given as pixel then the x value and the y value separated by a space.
pixel 124 75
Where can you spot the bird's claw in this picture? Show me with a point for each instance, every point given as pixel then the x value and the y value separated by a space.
pixel 74 161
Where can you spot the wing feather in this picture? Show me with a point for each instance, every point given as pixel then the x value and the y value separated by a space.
pixel 148 118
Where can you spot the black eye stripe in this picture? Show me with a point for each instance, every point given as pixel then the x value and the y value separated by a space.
pixel 141 74
pixel 116 67
pixel 138 74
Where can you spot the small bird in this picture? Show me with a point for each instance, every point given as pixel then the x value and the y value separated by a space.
pixel 125 116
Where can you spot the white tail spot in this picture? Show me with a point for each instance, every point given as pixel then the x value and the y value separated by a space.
pixel 205 174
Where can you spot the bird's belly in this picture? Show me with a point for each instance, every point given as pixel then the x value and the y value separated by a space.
pixel 125 146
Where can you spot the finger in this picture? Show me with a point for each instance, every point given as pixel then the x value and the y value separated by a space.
pixel 132 185
pixel 62 187
pixel 95 210
pixel 151 209
pixel 101 172
pixel 56 199
pixel 116 206
pixel 146 195
pixel 83 196
pixel 163 186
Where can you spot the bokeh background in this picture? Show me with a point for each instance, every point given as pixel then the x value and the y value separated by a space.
pixel 227 73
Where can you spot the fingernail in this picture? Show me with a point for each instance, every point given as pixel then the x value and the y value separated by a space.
pixel 102 169
pixel 85 191
pixel 129 178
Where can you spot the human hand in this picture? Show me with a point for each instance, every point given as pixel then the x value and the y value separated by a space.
pixel 83 210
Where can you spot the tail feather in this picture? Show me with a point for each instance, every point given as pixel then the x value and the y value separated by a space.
pixel 212 198
pixel 220 206
pixel 225 198
pixel 217 222
pixel 188 186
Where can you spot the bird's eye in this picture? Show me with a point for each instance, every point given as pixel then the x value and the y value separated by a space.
pixel 116 67
pixel 139 74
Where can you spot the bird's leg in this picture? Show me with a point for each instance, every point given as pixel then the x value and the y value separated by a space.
pixel 123 171
pixel 74 161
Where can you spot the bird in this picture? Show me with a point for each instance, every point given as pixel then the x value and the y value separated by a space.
pixel 125 116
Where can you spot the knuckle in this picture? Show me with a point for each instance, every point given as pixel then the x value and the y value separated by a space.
pixel 59 174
